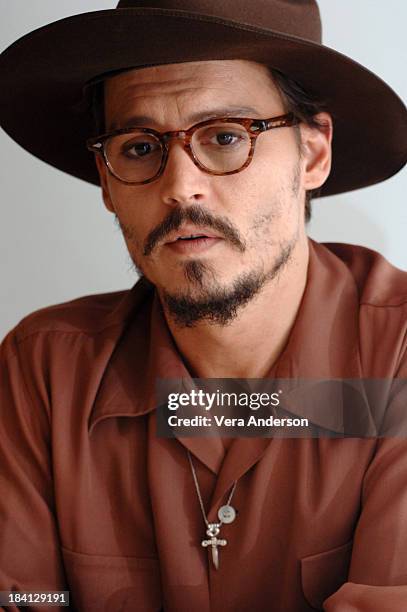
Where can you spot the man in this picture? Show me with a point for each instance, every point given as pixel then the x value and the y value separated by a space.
pixel 211 127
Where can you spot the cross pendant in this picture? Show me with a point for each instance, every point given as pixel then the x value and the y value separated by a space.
pixel 212 532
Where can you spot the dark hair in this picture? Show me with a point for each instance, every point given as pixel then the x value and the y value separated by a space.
pixel 97 103
pixel 303 104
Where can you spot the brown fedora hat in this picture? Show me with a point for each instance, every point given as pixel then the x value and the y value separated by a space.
pixel 44 75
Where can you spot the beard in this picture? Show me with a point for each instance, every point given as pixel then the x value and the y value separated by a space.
pixel 217 304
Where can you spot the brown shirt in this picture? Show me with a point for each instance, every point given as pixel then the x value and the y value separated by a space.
pixel 93 502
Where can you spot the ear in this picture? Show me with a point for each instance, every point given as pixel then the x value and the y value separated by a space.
pixel 103 175
pixel 316 145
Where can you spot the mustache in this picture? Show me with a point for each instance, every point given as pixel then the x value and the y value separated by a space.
pixel 199 217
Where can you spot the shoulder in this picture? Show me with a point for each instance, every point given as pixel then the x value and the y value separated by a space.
pixel 91 315
pixel 73 341
pixel 84 314
pixel 379 283
pixel 381 308
pixel 68 346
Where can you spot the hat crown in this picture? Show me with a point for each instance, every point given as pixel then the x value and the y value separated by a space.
pixel 293 17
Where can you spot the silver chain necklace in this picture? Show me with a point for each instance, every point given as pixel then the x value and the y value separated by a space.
pixel 226 514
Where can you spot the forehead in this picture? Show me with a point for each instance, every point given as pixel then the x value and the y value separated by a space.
pixel 182 87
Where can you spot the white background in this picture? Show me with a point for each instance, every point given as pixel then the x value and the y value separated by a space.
pixel 58 242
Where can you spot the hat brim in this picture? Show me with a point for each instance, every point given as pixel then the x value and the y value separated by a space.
pixel 44 73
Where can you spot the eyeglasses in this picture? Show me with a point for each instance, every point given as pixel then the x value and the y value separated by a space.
pixel 222 146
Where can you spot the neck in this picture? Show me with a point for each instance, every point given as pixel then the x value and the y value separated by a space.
pixel 251 344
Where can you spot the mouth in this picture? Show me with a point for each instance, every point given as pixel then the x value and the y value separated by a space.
pixel 186 241
pixel 188 235
pixel 192 237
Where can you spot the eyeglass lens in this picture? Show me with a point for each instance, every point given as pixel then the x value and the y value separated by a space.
pixel 220 148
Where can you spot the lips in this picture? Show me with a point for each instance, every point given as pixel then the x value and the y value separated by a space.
pixel 193 237
pixel 191 243
pixel 190 234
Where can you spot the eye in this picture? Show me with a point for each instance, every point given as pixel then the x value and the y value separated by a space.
pixel 222 136
pixel 226 138
pixel 140 149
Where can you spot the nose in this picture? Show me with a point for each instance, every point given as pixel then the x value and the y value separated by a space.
pixel 182 182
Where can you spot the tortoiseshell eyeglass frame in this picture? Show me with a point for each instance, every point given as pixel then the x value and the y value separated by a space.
pixel 254 128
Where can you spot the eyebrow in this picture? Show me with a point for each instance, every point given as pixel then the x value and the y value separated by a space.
pixel 215 113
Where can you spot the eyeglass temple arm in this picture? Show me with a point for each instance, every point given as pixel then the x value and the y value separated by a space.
pixel 262 125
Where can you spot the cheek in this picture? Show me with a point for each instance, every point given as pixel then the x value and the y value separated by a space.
pixel 263 228
pixel 132 213
pixel 273 188
pixel 270 219
pixel 261 204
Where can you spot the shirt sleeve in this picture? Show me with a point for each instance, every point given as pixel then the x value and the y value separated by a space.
pixel 30 558
pixel 378 569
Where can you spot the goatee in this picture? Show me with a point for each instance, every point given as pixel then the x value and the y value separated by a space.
pixel 219 305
